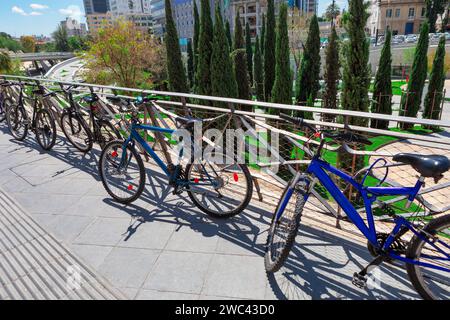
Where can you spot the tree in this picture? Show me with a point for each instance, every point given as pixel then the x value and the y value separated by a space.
pixel 249 50
pixel 7 42
pixel 269 51
pixel 223 82
pixel 433 9
pixel 332 73
pixel 258 77
pixel 445 20
pixel 307 84
pixel 298 33
pixel 263 35
pixel 282 88
pixel 5 62
pixel 175 68
pixel 203 63
pixel 196 34
pixel 382 93
pixel 332 11
pixel 356 72
pixel 434 95
pixel 410 103
pixel 61 39
pixel 228 32
pixel 239 56
pixel 122 55
pixel 190 64
pixel 77 43
pixel 28 43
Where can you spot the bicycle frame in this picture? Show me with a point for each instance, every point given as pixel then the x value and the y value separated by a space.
pixel 318 168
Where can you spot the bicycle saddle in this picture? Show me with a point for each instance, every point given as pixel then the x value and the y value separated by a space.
pixel 186 122
pixel 90 99
pixel 347 137
pixel 427 165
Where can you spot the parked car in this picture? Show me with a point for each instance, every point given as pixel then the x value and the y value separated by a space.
pixel 398 39
pixel 411 38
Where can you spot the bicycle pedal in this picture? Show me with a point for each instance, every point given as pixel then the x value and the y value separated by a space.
pixel 359 280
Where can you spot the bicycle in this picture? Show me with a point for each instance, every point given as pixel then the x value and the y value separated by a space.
pixel 80 133
pixel 41 122
pixel 219 190
pixel 427 255
pixel 5 98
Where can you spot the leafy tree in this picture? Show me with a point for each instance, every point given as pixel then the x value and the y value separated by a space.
pixel 228 32
pixel 332 73
pixel 196 33
pixel 190 64
pixel 175 68
pixel 433 9
pixel 61 39
pixel 203 63
pixel 5 63
pixel 332 11
pixel 28 43
pixel 356 72
pixel 7 42
pixel 411 101
pixel 77 43
pixel 263 35
pixel 434 95
pixel 249 50
pixel 239 56
pixel 282 88
pixel 123 55
pixel 445 20
pixel 307 83
pixel 223 82
pixel 269 51
pixel 382 93
pixel 258 77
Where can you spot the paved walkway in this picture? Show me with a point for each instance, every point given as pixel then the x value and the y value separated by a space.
pixel 161 247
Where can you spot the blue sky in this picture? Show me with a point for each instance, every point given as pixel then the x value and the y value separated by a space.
pixel 24 17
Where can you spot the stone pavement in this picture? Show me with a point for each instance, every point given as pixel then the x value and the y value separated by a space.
pixel 161 247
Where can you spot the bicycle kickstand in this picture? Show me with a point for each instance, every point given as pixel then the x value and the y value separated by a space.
pixel 360 278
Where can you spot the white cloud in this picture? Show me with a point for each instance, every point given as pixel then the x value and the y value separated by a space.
pixel 72 11
pixel 18 10
pixel 37 6
pixel 35 13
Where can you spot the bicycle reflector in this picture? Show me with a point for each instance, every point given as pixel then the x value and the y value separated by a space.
pixel 235 177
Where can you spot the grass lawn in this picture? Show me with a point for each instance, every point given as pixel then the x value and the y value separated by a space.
pixel 396 87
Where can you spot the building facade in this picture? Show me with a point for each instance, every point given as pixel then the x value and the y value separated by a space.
pixel 157 8
pixel 400 16
pixel 74 27
pixel 96 21
pixel 96 6
pixel 136 11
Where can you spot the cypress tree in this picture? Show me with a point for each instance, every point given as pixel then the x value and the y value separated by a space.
pixel 249 50
pixel 269 51
pixel 196 34
pixel 263 35
pixel 175 68
pixel 307 84
pixel 281 92
pixel 223 83
pixel 382 93
pixel 356 72
pixel 203 73
pixel 190 64
pixel 228 31
pixel 240 61
pixel 332 74
pixel 411 102
pixel 258 77
pixel 434 95
pixel 238 33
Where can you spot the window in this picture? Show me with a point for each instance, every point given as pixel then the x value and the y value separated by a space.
pixel 388 13
pixel 397 12
pixel 411 13
pixel 422 14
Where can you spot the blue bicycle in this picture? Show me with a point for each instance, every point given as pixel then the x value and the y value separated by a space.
pixel 426 254
pixel 221 189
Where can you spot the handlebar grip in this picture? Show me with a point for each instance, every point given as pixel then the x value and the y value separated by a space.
pixel 297 121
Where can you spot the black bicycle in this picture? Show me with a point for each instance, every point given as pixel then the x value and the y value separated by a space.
pixel 5 98
pixel 76 122
pixel 41 122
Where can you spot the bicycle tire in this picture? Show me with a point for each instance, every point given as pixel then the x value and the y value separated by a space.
pixel 3 108
pixel 247 197
pixel 77 124
pixel 115 134
pixel 106 156
pixel 413 252
pixel 52 140
pixel 273 265
pixel 13 123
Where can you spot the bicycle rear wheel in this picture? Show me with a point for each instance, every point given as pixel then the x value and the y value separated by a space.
pixel 17 122
pixel 45 129
pixel 433 248
pixel 107 133
pixel 77 131
pixel 219 190
pixel 283 230
pixel 123 175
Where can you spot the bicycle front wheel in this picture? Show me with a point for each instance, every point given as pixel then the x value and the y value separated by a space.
pixel 284 226
pixel 107 133
pixel 45 129
pixel 77 132
pixel 122 174
pixel 433 247
pixel 219 190
pixel 17 122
